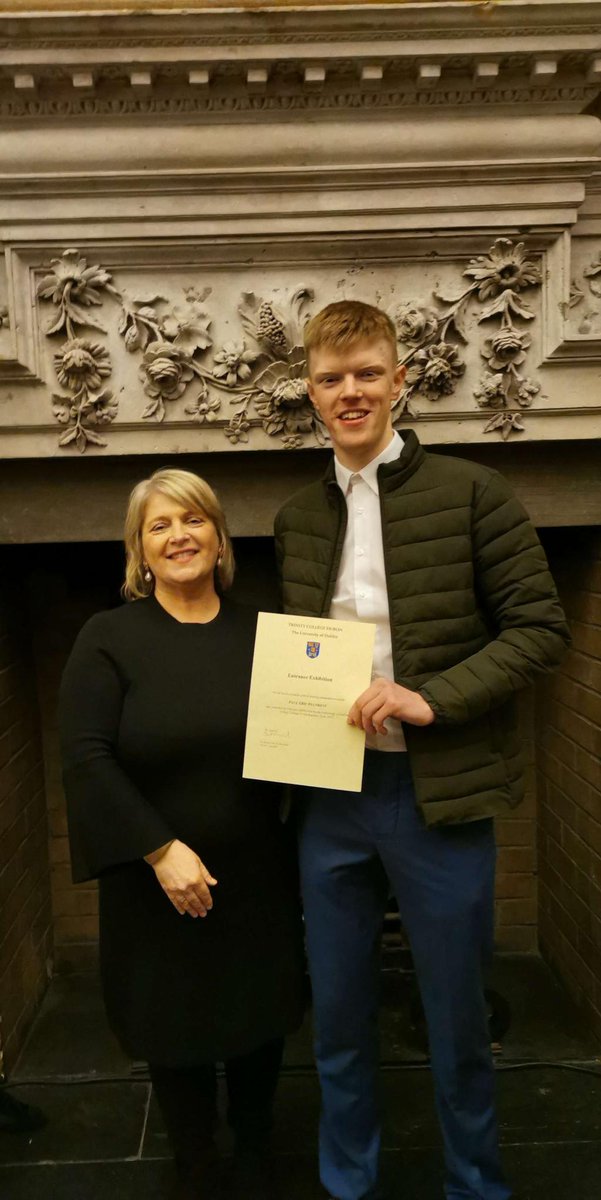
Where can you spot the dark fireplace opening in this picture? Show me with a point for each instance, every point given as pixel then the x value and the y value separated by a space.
pixel 549 859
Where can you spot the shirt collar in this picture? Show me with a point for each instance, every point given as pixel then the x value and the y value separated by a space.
pixel 369 473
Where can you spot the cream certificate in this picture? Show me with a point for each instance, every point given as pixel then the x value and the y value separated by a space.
pixel 307 673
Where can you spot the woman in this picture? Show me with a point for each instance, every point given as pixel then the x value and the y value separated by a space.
pixel 199 925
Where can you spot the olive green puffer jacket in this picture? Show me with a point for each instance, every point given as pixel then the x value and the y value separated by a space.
pixel 473 611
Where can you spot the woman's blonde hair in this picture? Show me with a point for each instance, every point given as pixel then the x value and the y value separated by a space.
pixel 189 490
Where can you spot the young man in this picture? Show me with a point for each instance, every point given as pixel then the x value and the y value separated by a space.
pixel 440 555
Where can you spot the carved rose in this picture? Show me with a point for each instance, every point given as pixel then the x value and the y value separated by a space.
pixel 81 364
pixel 507 347
pixel 284 405
pixel 435 370
pixel 289 393
pixel 188 329
pixel 415 323
pixel 165 371
pixel 503 268
pixel 233 362
pixel 491 391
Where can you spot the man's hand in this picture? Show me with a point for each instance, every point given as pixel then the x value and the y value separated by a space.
pixel 387 699
pixel 184 879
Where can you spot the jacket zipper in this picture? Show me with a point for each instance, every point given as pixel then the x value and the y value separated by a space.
pixel 397 677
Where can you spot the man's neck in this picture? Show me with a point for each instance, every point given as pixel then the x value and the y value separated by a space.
pixel 356 462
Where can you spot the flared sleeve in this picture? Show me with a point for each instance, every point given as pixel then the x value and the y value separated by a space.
pixel 110 821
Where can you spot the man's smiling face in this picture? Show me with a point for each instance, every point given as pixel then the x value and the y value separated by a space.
pixel 353 389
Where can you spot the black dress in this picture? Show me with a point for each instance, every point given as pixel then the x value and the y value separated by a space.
pixel 152 715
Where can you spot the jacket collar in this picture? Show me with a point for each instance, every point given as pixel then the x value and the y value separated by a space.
pixel 392 474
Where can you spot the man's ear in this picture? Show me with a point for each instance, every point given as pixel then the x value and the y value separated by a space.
pixel 311 395
pixel 399 379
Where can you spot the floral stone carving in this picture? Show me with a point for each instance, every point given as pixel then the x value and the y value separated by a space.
pixel 260 373
pixel 431 337
pixel 80 365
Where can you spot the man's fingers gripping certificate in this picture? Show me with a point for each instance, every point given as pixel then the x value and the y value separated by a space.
pixel 307 673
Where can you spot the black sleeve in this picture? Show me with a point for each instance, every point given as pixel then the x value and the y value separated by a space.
pixel 110 822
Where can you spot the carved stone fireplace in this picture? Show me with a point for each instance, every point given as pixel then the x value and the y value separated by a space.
pixel 178 191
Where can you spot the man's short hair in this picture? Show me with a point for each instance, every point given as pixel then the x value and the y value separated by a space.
pixel 345 322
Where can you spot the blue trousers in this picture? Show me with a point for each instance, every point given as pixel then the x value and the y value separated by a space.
pixel 354 848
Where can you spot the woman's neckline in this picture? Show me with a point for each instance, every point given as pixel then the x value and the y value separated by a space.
pixel 187 624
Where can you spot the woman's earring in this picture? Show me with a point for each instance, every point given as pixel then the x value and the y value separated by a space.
pixel 147 573
pixel 220 555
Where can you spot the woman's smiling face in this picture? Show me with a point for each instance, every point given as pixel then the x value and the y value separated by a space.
pixel 180 545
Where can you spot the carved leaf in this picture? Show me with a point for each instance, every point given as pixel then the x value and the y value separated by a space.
pixel 496 422
pixel 452 299
pixel 56 326
pixel 81 316
pixel 123 322
pixel 456 322
pixel 69 436
pixel 156 408
pixel 301 296
pixel 507 302
pixel 148 300
pixel 506 423
pixel 576 295
pixel 249 313
pixel 92 436
pixel 271 376
pixel 81 441
pixel 595 286
pixel 46 287
pixel 274 425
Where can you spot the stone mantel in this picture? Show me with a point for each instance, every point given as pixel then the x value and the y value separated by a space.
pixel 180 188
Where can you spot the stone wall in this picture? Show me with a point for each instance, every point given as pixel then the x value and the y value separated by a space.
pixel 25 912
pixel 568 737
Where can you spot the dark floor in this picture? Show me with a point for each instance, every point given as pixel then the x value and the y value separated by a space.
pixel 104 1139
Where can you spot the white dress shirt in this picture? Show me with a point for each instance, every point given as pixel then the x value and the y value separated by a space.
pixel 360 593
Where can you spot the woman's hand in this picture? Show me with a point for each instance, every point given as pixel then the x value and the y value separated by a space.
pixel 184 879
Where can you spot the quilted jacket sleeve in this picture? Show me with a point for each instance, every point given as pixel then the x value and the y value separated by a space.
pixel 517 593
